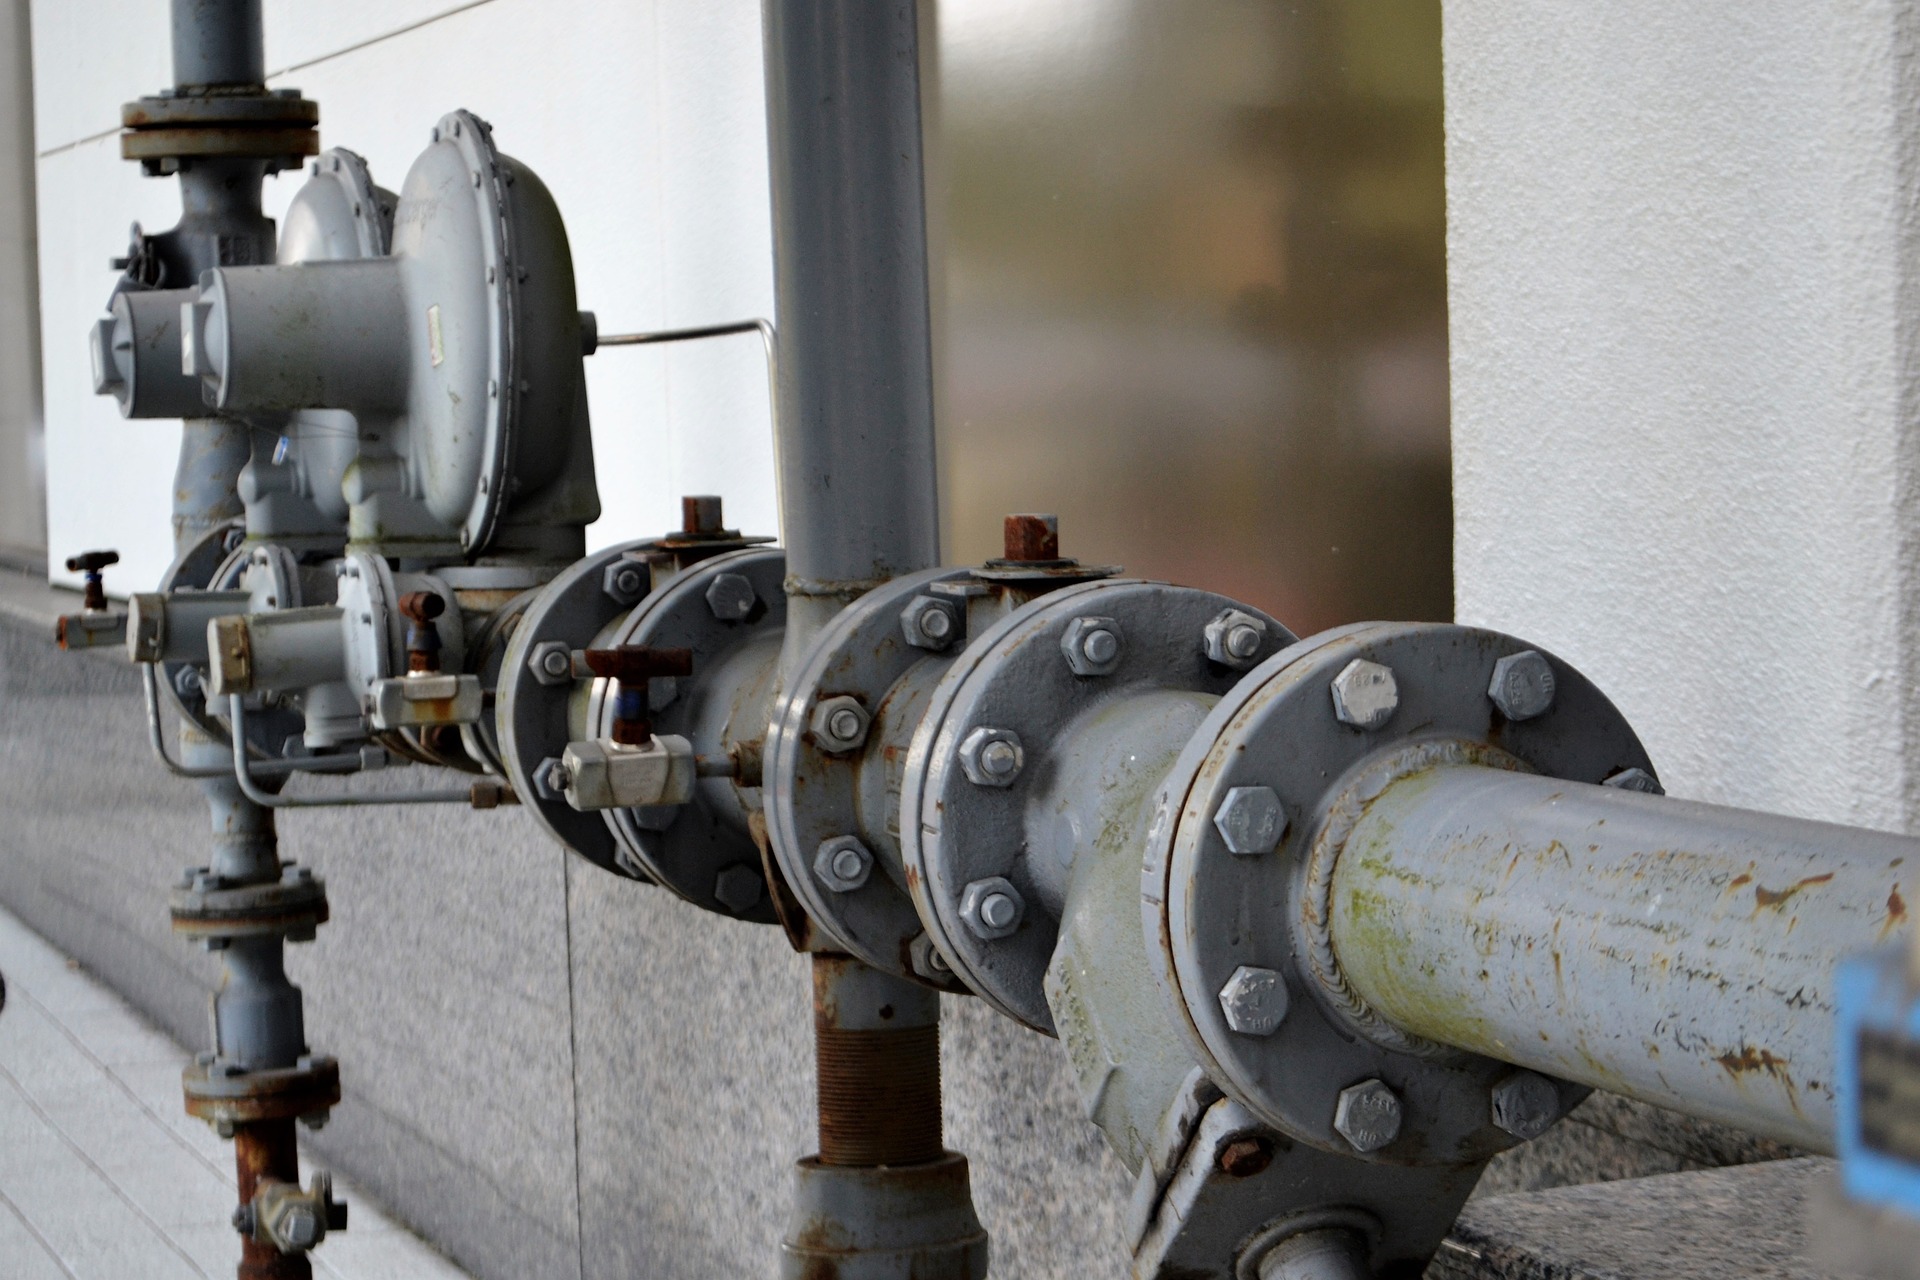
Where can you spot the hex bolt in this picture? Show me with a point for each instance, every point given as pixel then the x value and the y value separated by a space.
pixel 738 888
pixel 1092 646
pixel 1365 695
pixel 299 1227
pixel 1636 779
pixel 927 960
pixel 731 597
pixel 1251 820
pixel 1245 1156
pixel 1367 1115
pixel 1234 639
pixel 992 908
pixel 928 623
pixel 1522 685
pixel 839 724
pixel 551 662
pixel 188 683
pixel 624 581
pixel 1254 1000
pixel 1525 1104
pixel 843 863
pixel 992 757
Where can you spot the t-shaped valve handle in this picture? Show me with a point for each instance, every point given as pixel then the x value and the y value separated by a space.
pixel 91 563
pixel 420 608
pixel 632 665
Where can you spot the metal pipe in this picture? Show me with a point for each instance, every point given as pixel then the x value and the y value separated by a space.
pixel 1678 953
pixel 250 785
pixel 877 1061
pixel 217 42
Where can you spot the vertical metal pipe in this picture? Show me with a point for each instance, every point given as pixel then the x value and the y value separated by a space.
pixel 217 42
pixel 267 1151
pixel 1674 952
pixel 877 1058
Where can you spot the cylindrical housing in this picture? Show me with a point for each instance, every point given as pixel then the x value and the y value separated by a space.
pixel 136 356
pixel 321 335
pixel 1678 953
pixel 217 42
pixel 855 396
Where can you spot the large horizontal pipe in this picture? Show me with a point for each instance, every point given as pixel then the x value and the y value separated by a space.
pixel 1678 953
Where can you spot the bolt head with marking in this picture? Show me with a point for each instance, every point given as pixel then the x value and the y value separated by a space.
pixel 992 757
pixel 1522 685
pixel 928 623
pixel 1254 1000
pixel 1367 1115
pixel 1251 820
pixel 1636 780
pixel 738 888
pixel 843 864
pixel 992 908
pixel 1092 646
pixel 839 724
pixel 551 662
pixel 1525 1104
pixel 1234 639
pixel 624 581
pixel 1365 695
pixel 731 597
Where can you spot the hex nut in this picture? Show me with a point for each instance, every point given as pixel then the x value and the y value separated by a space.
pixel 1636 780
pixel 188 683
pixel 738 888
pixel 992 757
pixel 1365 695
pixel 298 1227
pixel 1092 646
pixel 992 908
pixel 1254 1000
pixel 551 779
pixel 1251 820
pixel 929 623
pixel 1525 1104
pixel 839 724
pixel 1522 685
pixel 551 662
pixel 731 597
pixel 1367 1115
pixel 1234 639
pixel 843 863
pixel 624 581
pixel 928 961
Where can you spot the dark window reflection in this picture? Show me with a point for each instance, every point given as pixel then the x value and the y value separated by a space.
pixel 1196 293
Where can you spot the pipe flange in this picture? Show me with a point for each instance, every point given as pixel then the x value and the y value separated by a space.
pixel 221 1095
pixel 815 795
pixel 279 127
pixel 704 850
pixel 1296 728
pixel 293 906
pixel 533 719
pixel 1018 677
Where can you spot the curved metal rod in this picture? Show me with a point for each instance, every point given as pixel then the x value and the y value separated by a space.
pixel 249 786
pixel 265 769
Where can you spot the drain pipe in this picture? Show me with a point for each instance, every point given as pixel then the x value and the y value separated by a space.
pixel 859 505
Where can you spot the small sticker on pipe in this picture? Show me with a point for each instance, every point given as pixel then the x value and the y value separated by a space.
pixel 434 350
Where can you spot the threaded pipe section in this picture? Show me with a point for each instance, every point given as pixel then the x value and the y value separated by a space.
pixel 879 1095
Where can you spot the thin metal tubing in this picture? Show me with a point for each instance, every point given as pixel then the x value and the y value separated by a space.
pixel 244 775
pixel 266 769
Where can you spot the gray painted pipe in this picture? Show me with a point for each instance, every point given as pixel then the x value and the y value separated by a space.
pixel 217 42
pixel 1678 953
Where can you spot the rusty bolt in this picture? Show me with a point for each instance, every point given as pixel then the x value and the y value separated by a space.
pixel 1234 639
pixel 1365 694
pixel 1367 1115
pixel 731 597
pixel 1522 685
pixel 551 662
pixel 1251 820
pixel 992 907
pixel 1245 1156
pixel 1031 538
pixel 991 757
pixel 1636 780
pixel 738 888
pixel 928 623
pixel 843 864
pixel 1254 1000
pixel 839 724
pixel 1525 1103
pixel 1092 646
pixel 927 960
pixel 624 581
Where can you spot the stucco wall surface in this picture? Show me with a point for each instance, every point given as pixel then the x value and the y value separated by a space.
pixel 1683 307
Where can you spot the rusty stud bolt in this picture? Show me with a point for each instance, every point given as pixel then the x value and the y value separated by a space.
pixel 1245 1156
pixel 991 757
pixel 927 960
pixel 624 581
pixel 738 888
pixel 1365 695
pixel 1254 1000
pixel 1234 639
pixel 1522 685
pixel 1525 1104
pixel 551 662
pixel 1251 820
pixel 839 724
pixel 992 908
pixel 1367 1115
pixel 843 864
pixel 1092 646
pixel 1636 780
pixel 1031 538
pixel 928 623
pixel 731 597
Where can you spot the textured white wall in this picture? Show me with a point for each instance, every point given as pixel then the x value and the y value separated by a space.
pixel 646 119
pixel 1682 271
